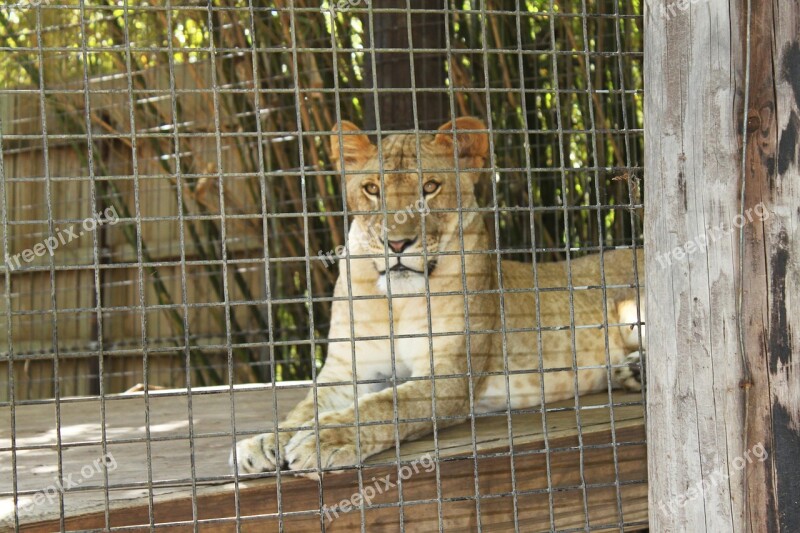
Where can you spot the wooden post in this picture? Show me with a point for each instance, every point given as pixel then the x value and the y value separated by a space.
pixel 723 403
pixel 393 69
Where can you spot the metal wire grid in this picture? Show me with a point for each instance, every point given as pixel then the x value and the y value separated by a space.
pixel 146 350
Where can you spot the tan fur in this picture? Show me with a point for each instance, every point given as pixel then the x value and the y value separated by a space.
pixel 364 343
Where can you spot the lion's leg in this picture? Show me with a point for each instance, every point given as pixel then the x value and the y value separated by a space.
pixel 265 452
pixel 378 431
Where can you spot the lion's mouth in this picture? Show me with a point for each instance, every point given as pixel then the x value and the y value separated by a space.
pixel 400 267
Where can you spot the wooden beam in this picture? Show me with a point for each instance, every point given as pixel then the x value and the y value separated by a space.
pixel 128 504
pixel 724 388
pixel 771 303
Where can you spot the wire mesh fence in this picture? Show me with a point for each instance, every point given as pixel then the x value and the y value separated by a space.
pixel 202 197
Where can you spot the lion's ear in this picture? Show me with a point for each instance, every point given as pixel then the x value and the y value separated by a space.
pixel 472 145
pixel 356 148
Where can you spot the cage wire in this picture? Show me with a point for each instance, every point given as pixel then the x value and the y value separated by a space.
pixel 171 215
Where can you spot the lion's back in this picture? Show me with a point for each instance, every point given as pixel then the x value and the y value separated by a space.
pixel 538 321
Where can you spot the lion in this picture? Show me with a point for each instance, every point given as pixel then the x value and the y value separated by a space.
pixel 429 324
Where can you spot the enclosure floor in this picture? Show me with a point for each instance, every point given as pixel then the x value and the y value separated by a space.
pixel 595 501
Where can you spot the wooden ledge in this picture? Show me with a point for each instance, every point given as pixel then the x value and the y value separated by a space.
pixel 608 491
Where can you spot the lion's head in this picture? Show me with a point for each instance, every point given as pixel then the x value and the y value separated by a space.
pixel 396 194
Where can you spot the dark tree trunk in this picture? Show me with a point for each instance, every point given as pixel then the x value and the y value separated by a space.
pixel 393 69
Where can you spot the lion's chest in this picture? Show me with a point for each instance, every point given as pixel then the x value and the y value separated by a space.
pixel 400 350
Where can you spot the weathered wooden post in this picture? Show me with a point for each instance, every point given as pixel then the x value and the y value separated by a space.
pixel 722 202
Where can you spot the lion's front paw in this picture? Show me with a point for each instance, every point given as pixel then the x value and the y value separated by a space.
pixel 337 449
pixel 629 377
pixel 260 454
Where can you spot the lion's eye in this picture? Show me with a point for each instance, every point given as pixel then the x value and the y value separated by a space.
pixel 430 187
pixel 372 189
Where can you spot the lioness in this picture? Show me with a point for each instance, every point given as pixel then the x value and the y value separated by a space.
pixel 406 349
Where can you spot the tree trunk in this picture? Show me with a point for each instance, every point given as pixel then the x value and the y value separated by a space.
pixel 393 70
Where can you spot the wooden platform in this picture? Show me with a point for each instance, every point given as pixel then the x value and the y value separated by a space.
pixel 130 503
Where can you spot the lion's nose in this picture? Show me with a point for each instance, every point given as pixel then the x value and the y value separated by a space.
pixel 401 245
